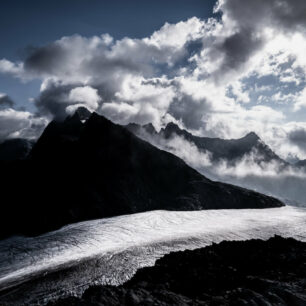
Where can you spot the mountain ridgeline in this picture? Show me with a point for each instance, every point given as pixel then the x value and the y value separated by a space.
pixel 301 164
pixel 230 150
pixel 87 167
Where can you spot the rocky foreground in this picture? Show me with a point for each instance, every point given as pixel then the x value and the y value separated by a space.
pixel 252 272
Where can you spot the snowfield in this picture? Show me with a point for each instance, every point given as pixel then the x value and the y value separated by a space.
pixel 109 251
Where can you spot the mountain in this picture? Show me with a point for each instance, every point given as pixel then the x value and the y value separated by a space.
pixel 230 150
pixel 252 272
pixel 301 164
pixel 15 149
pixel 84 169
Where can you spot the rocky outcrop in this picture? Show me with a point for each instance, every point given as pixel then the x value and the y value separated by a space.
pixel 252 272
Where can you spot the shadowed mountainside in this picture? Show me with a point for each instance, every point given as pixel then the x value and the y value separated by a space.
pixel 85 169
pixel 15 149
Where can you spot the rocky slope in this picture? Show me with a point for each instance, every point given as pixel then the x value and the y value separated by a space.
pixel 253 272
pixel 230 150
pixel 15 149
pixel 86 169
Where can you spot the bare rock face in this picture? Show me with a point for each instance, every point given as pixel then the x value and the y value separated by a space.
pixel 80 170
pixel 252 272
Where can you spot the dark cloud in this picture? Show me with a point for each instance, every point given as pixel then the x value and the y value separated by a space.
pixel 298 137
pixel 46 59
pixel 189 111
pixel 54 100
pixel 286 15
pixel 6 102
pixel 236 50
pixel 246 22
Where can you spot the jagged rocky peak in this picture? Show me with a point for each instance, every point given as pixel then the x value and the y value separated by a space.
pixel 138 129
pixel 81 113
pixel 252 136
pixel 172 127
pixel 150 128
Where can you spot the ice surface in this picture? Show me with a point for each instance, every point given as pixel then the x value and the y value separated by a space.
pixel 109 251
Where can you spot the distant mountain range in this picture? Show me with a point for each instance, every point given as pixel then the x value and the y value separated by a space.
pixel 301 163
pixel 88 167
pixel 230 150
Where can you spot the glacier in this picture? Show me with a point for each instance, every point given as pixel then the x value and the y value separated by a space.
pixel 36 270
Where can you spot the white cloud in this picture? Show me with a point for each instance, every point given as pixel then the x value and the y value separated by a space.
pixel 8 67
pixel 86 95
pixel 14 124
pixel 300 100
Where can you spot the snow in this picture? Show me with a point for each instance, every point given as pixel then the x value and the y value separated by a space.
pixel 109 251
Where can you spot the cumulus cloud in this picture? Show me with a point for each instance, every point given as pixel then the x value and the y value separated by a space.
pixel 20 124
pixel 8 67
pixel 86 96
pixel 298 137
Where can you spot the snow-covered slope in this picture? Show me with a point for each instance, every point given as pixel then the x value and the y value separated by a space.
pixel 109 251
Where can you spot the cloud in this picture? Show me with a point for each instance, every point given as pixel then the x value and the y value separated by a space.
pixel 141 101
pixel 85 95
pixel 108 66
pixel 298 137
pixel 8 67
pixel 20 124
pixel 80 59
pixel 5 101
pixel 300 100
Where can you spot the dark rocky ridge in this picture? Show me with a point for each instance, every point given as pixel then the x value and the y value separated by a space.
pixel 230 150
pixel 252 272
pixel 301 164
pixel 79 171
pixel 15 149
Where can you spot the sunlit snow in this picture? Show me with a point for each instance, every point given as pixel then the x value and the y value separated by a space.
pixel 109 251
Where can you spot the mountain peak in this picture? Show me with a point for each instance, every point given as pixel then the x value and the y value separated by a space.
pixel 252 136
pixel 171 126
pixel 81 113
pixel 149 128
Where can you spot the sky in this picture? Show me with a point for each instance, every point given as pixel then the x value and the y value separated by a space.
pixel 218 69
